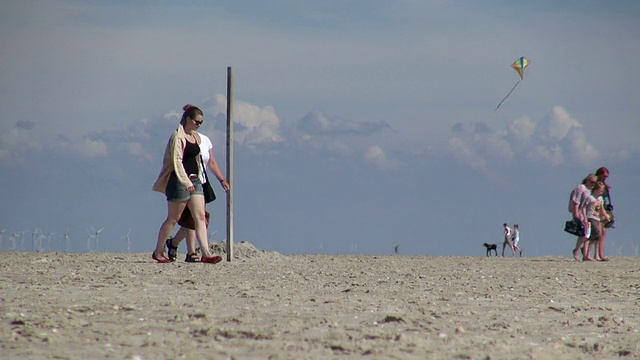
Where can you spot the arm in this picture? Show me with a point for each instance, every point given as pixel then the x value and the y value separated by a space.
pixel 177 150
pixel 215 169
pixel 603 214
pixel 577 211
pixel 583 211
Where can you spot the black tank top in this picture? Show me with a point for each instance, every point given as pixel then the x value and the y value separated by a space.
pixel 191 152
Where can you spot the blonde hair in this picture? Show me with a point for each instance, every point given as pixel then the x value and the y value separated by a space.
pixel 598 186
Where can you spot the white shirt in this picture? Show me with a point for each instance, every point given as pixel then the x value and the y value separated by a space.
pixel 578 196
pixel 205 146
pixel 593 205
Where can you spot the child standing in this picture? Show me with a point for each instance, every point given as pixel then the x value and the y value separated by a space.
pixel 593 210
pixel 507 240
pixel 515 238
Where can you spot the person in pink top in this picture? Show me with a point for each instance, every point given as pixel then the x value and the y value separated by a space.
pixel 578 195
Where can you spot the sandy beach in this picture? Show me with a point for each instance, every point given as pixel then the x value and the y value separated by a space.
pixel 270 306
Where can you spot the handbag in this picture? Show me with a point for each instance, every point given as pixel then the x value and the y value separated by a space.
pixel 207 190
pixel 187 221
pixel 574 227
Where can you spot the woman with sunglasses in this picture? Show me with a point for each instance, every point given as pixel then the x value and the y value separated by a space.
pixel 180 181
pixel 577 198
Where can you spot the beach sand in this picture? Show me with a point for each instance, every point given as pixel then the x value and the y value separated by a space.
pixel 266 305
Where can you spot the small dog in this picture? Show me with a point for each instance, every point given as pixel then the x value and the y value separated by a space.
pixel 490 247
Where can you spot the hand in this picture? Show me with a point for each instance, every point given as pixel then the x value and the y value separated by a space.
pixel 225 185
pixel 191 189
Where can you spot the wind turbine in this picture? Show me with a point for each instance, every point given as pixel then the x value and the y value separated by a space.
pixel 128 239
pixel 17 236
pixel 211 236
pixel 37 242
pixel 67 241
pixel 35 237
pixel 49 235
pixel 95 236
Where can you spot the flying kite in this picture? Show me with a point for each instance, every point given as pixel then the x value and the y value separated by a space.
pixel 519 66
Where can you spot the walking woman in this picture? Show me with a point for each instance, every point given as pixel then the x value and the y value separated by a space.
pixel 180 181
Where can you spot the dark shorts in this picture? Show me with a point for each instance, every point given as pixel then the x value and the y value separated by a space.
pixel 596 230
pixel 177 192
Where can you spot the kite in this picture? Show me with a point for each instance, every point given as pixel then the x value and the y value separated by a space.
pixel 519 66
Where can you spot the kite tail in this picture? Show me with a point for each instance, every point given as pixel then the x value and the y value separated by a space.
pixel 505 98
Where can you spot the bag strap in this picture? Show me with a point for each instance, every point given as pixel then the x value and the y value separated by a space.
pixel 204 169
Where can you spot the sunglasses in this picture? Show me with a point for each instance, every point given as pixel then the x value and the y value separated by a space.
pixel 197 122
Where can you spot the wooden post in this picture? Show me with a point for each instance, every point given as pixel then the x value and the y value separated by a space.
pixel 230 164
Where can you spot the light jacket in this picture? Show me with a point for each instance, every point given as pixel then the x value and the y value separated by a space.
pixel 172 160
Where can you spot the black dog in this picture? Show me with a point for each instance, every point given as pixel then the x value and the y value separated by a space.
pixel 490 247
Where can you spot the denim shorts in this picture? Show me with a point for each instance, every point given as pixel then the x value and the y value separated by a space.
pixel 177 192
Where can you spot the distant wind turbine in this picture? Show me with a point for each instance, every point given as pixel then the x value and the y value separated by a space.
pixel 67 241
pixel 49 236
pixel 18 236
pixel 127 238
pixel 94 237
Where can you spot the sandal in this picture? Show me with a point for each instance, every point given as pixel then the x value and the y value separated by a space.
pixel 162 260
pixel 211 260
pixel 193 257
pixel 172 251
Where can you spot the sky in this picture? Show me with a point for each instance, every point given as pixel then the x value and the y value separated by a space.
pixel 359 125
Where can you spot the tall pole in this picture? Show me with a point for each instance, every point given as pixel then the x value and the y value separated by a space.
pixel 230 164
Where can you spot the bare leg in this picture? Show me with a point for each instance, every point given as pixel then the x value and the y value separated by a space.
pixel 179 236
pixel 579 245
pixel 601 244
pixel 517 249
pixel 174 210
pixel 185 233
pixel 587 251
pixel 196 205
pixel 191 242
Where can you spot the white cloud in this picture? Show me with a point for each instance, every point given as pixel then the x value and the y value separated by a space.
pixel 462 151
pixel 521 129
pixel 377 157
pixel 256 125
pixel 136 149
pixel 552 155
pixel 559 124
pixel 555 139
pixel 496 146
pixel 581 150
pixel 90 148
pixel 318 123
pixel 375 154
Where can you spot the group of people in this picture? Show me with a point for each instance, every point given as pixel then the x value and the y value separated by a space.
pixel 590 205
pixel 181 179
pixel 511 239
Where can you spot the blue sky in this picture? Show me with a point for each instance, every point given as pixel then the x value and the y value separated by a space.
pixel 359 125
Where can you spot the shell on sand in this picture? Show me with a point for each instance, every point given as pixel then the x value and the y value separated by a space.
pixel 126 306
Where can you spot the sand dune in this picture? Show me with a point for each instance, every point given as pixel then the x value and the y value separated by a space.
pixel 272 306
